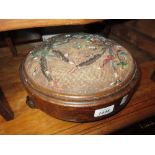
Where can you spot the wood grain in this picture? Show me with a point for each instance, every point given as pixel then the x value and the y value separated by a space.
pixel 34 121
pixel 144 26
pixel 15 24
pixel 140 33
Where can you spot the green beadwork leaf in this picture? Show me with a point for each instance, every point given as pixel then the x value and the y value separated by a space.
pixel 123 64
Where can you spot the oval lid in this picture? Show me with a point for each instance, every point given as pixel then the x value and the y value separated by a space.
pixel 78 65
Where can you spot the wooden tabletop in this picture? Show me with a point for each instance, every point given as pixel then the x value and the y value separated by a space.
pixel 14 24
pixel 34 121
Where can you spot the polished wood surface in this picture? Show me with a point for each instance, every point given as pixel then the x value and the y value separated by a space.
pixel 14 24
pixel 144 26
pixel 34 121
pixel 140 33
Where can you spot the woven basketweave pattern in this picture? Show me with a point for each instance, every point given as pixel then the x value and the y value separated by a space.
pixel 79 64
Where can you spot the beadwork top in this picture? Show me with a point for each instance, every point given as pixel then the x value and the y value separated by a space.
pixel 79 64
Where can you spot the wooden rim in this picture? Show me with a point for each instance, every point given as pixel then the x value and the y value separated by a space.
pixel 127 84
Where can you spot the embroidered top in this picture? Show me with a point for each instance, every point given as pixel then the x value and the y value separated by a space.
pixel 79 64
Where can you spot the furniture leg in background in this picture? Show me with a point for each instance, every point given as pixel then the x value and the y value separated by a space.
pixel 10 44
pixel 5 109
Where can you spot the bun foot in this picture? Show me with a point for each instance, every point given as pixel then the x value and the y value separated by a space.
pixel 30 103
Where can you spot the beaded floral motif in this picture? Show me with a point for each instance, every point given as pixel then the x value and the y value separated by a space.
pixel 99 50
